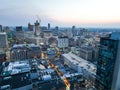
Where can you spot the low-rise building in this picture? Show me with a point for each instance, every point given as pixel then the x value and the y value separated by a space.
pixel 51 54
pixel 80 65
pixel 15 76
pixel 2 56
pixel 25 51
pixel 31 73
pixel 63 42
pixel 72 42
pixel 18 52
pixel 33 51
pixel 86 53
pixel 35 40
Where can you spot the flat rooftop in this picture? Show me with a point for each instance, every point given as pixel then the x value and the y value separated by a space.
pixel 17 67
pixel 2 33
pixel 115 36
pixel 90 67
pixel 19 45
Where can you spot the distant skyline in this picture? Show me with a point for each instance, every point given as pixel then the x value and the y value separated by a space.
pixel 64 13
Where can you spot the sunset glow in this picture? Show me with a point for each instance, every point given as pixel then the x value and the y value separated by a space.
pixel 61 12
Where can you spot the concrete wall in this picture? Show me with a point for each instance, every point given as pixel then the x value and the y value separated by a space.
pixel 85 54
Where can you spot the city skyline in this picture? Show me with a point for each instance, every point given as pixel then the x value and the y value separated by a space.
pixel 87 13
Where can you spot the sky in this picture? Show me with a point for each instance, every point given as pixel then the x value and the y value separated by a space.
pixel 64 13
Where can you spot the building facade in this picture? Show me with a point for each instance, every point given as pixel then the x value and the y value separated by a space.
pixel 0 28
pixel 63 41
pixel 19 28
pixel 15 76
pixel 80 65
pixel 33 51
pixel 37 28
pixel 86 53
pixel 55 31
pixel 23 51
pixel 30 27
pixel 18 52
pixel 2 56
pixel 48 26
pixel 3 40
pixel 69 33
pixel 108 66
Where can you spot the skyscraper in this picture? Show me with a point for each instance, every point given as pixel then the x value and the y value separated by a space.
pixel 108 67
pixel 3 40
pixel 0 28
pixel 48 26
pixel 19 28
pixel 74 31
pixel 37 28
pixel 30 27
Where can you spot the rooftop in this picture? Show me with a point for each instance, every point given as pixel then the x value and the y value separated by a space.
pixel 115 36
pixel 2 33
pixel 47 30
pixel 62 36
pixel 32 45
pixel 81 62
pixel 16 67
pixel 86 49
pixel 19 45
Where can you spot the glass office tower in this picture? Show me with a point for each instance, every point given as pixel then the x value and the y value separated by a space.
pixel 106 63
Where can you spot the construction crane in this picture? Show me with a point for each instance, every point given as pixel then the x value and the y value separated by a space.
pixel 38 18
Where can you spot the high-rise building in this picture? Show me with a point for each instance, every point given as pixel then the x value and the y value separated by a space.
pixel 74 31
pixel 30 27
pixel 0 28
pixel 108 66
pixel 18 28
pixel 37 28
pixel 3 40
pixel 48 26
pixel 55 31
pixel 6 29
